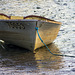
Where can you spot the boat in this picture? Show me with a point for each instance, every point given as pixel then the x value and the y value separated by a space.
pixel 21 31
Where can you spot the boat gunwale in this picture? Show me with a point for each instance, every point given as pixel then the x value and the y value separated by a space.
pixel 29 20
pixel 19 20
pixel 5 15
pixel 24 19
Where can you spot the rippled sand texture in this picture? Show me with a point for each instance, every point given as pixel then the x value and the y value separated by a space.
pixel 59 10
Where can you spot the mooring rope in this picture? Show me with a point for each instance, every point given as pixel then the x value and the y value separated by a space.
pixel 2 45
pixel 48 48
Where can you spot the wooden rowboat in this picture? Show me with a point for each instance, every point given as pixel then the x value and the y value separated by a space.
pixel 21 31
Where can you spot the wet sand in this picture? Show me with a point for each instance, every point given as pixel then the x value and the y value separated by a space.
pixel 15 61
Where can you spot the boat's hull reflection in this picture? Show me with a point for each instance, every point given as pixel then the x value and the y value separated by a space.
pixel 18 59
pixel 46 60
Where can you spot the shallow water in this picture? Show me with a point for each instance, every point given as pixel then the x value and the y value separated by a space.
pixel 15 60
pixel 18 61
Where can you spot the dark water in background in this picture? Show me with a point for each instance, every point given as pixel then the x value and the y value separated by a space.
pixel 18 61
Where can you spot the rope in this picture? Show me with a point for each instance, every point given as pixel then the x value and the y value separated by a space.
pixel 2 45
pixel 48 48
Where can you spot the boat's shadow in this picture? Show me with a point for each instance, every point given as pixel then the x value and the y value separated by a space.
pixel 21 59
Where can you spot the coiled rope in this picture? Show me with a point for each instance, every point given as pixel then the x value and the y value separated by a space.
pixel 48 48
